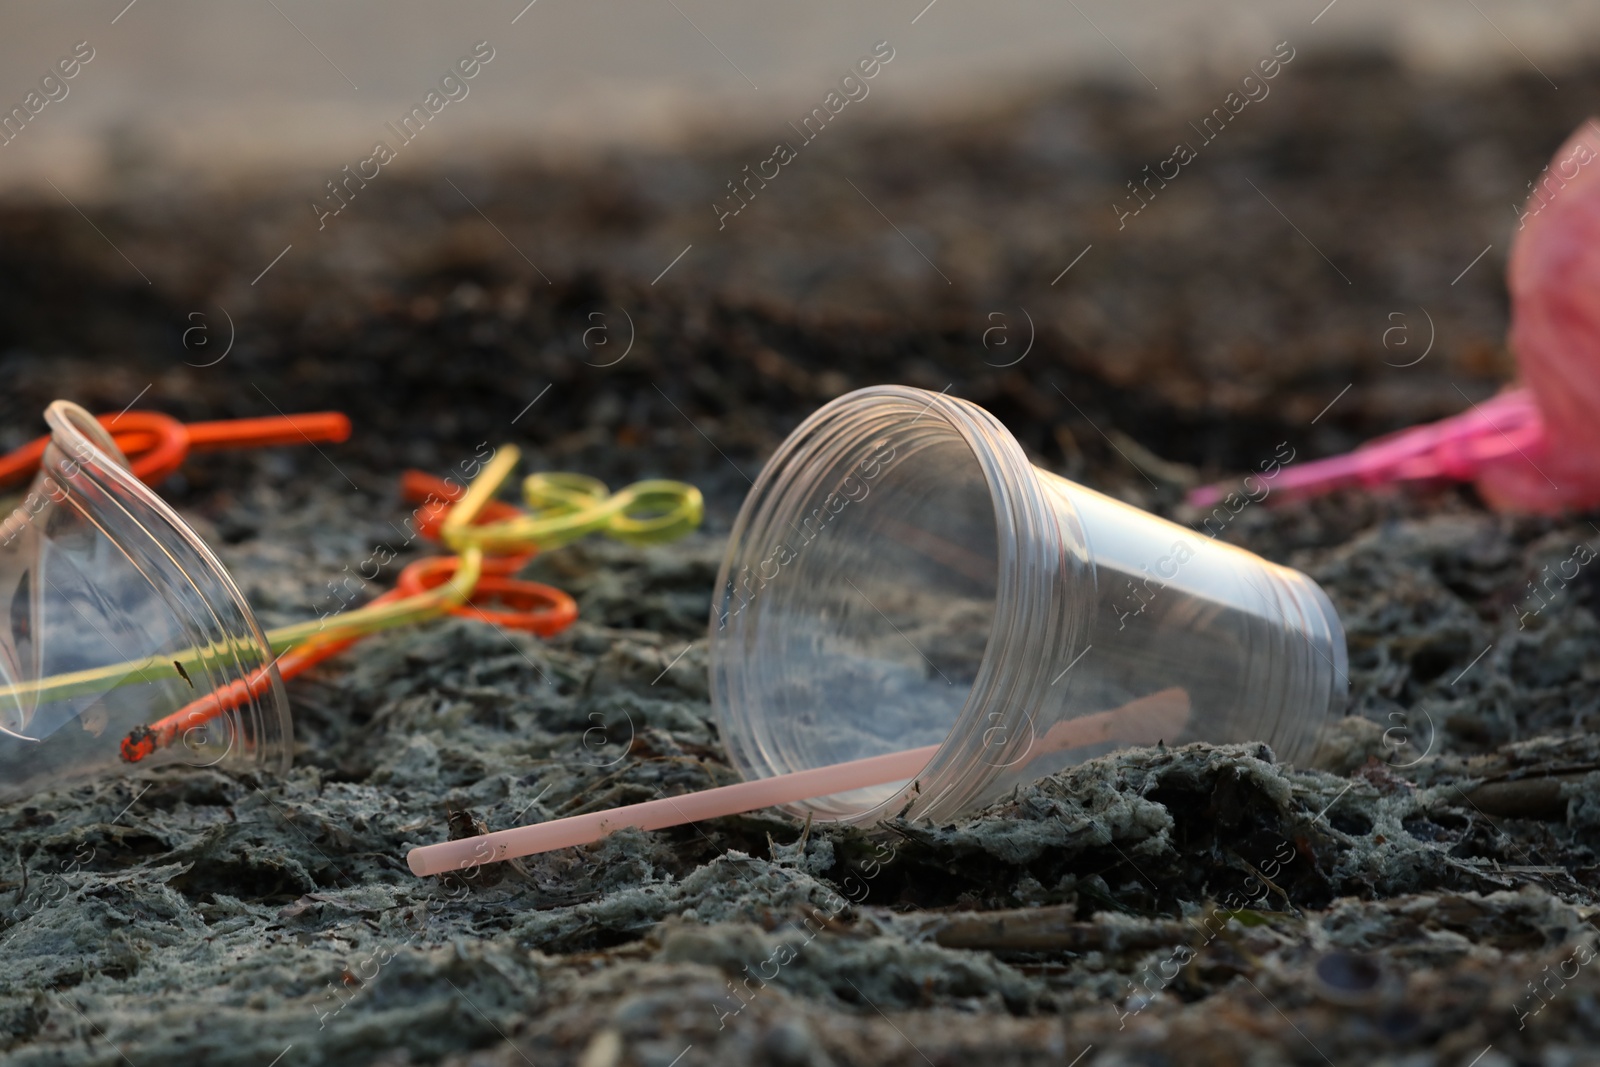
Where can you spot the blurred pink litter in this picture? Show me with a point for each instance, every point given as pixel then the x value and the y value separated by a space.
pixel 1533 447
pixel 1504 428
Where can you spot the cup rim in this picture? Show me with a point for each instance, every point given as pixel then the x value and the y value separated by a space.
pixel 80 437
pixel 1042 559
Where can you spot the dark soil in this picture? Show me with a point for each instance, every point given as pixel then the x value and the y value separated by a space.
pixel 1426 896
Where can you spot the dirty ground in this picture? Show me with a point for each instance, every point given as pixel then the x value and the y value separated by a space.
pixel 1428 895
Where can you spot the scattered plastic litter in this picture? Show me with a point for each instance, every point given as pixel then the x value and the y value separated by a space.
pixel 123 623
pixel 913 621
pixel 563 507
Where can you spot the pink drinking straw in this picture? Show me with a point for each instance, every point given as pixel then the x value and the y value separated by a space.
pixel 1534 448
pixel 1144 721
pixel 1505 427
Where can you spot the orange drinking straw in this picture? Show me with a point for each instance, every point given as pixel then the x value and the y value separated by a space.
pixel 472 577
pixel 146 740
pixel 157 444
pixel 301 429
pixel 539 609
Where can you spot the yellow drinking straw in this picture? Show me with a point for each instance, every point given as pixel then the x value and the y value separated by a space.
pixel 564 507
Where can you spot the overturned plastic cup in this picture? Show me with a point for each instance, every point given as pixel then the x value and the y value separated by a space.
pixel 912 620
pixel 113 613
pixel 901 577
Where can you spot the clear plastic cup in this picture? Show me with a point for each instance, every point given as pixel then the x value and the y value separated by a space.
pixel 902 577
pixel 113 615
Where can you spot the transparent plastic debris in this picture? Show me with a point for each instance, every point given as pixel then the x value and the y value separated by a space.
pixel 901 577
pixel 912 620
pixel 113 614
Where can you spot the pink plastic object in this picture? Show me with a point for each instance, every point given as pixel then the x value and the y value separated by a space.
pixel 1535 448
pixel 1554 277
pixel 913 621
pixel 1505 427
pixel 1143 721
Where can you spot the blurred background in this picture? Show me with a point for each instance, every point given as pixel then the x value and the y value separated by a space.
pixel 229 90
pixel 169 226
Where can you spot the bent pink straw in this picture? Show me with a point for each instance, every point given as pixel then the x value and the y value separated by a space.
pixel 1140 722
pixel 1534 448
pixel 1458 448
